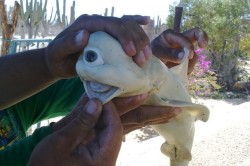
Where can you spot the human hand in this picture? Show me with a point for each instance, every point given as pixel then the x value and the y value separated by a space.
pixel 63 52
pixel 78 142
pixel 134 116
pixel 168 46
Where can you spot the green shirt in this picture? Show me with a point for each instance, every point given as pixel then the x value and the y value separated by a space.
pixel 56 100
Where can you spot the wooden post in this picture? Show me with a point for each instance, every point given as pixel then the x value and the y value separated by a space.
pixel 177 17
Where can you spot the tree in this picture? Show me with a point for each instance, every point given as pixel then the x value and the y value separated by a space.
pixel 8 25
pixel 222 20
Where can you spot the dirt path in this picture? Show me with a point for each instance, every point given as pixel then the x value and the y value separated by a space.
pixel 222 141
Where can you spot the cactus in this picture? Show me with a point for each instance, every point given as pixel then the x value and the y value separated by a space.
pixel 58 12
pixel 106 12
pixel 38 15
pixel 62 20
pixel 48 22
pixel 33 15
pixel 158 26
pixel 112 11
pixel 72 12
pixel 63 14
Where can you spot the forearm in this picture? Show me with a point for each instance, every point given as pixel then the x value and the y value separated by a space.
pixel 22 75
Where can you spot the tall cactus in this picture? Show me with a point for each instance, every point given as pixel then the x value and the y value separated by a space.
pixel 62 19
pixel 158 26
pixel 112 11
pixel 48 22
pixel 33 15
pixel 106 12
pixel 38 15
pixel 72 12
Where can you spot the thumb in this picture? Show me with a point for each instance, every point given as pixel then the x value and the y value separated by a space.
pixel 70 43
pixel 79 128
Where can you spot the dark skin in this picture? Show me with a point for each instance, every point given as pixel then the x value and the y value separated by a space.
pixel 96 139
pixel 168 46
pixel 132 114
pixel 68 145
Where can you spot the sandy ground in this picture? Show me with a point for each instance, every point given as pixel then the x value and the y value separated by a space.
pixel 222 141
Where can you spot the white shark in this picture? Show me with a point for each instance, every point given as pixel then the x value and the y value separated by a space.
pixel 107 72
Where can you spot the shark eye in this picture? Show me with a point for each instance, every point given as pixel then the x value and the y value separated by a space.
pixel 93 57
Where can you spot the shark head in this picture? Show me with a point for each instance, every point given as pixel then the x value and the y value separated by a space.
pixel 106 71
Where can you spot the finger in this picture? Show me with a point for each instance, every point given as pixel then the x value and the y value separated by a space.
pixel 74 113
pixel 126 30
pixel 70 44
pixel 145 114
pixel 125 104
pixel 166 54
pixel 197 35
pixel 139 39
pixel 142 20
pixel 108 141
pixel 131 127
pixel 116 27
pixel 79 128
pixel 191 64
pixel 168 41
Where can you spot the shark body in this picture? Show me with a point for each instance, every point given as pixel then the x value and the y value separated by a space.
pixel 107 72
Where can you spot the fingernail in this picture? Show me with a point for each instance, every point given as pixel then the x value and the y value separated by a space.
pixel 143 96
pixel 141 58
pixel 91 107
pixel 147 52
pixel 177 111
pixel 131 48
pixel 79 37
pixel 180 55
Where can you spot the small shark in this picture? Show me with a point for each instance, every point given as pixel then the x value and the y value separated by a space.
pixel 107 72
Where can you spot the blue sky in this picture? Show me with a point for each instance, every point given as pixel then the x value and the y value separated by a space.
pixel 151 8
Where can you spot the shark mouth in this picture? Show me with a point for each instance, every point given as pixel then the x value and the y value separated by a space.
pixel 101 91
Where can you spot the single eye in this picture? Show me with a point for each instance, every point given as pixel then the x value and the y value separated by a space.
pixel 91 56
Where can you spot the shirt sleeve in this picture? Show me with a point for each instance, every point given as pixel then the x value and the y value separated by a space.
pixel 19 152
pixel 56 100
